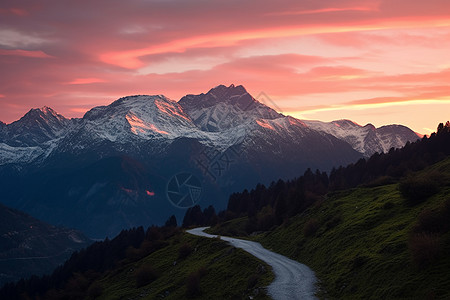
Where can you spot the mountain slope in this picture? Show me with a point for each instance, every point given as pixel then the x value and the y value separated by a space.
pixel 224 107
pixel 35 128
pixel 31 247
pixel 367 139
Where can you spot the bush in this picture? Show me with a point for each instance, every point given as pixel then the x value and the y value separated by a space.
pixel 333 222
pixel 193 285
pixel 388 205
pixel 311 227
pixel 424 247
pixel 145 275
pixel 184 251
pixel 252 281
pixel 417 190
pixel 430 221
pixel 95 290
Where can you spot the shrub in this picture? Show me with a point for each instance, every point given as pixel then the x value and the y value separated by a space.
pixel 311 227
pixel 430 221
pixel 184 251
pixel 95 290
pixel 359 261
pixel 333 222
pixel 193 285
pixel 145 275
pixel 417 190
pixel 252 281
pixel 193 282
pixel 388 205
pixel 424 247
pixel 434 221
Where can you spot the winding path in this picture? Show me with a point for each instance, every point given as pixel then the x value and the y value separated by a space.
pixel 293 280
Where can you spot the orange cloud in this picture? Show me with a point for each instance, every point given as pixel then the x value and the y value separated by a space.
pixel 130 59
pixel 324 10
pixel 86 80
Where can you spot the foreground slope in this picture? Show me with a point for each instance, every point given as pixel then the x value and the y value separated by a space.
pixel 159 263
pixel 369 243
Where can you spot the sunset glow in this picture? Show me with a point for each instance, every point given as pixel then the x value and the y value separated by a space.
pixel 371 61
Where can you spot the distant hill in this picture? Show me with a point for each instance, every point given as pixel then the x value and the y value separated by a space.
pixel 31 247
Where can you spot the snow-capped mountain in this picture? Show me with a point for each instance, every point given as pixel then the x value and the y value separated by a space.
pixel 367 139
pixel 146 117
pixel 224 107
pixel 2 128
pixel 221 118
pixel 32 137
pixel 110 169
pixel 35 128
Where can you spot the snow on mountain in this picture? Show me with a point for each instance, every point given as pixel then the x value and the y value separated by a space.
pixel 33 136
pixel 366 139
pixel 221 118
pixel 36 127
pixel 9 154
pixel 146 117
pixel 224 107
pixel 395 136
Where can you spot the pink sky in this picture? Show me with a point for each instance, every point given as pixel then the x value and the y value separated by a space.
pixel 378 62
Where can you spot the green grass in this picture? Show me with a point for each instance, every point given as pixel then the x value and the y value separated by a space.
pixel 233 227
pixel 223 272
pixel 359 246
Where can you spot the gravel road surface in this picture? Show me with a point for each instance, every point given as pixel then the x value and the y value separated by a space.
pixel 293 280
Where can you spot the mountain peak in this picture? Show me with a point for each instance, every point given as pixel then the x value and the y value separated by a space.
pixel 145 116
pixel 37 126
pixel 345 123
pixel 42 114
pixel 223 107
pixel 236 96
pixel 133 103
pixel 138 99
pixel 230 90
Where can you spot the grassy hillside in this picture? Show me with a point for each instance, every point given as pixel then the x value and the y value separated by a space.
pixel 372 243
pixel 211 270
pixel 175 265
